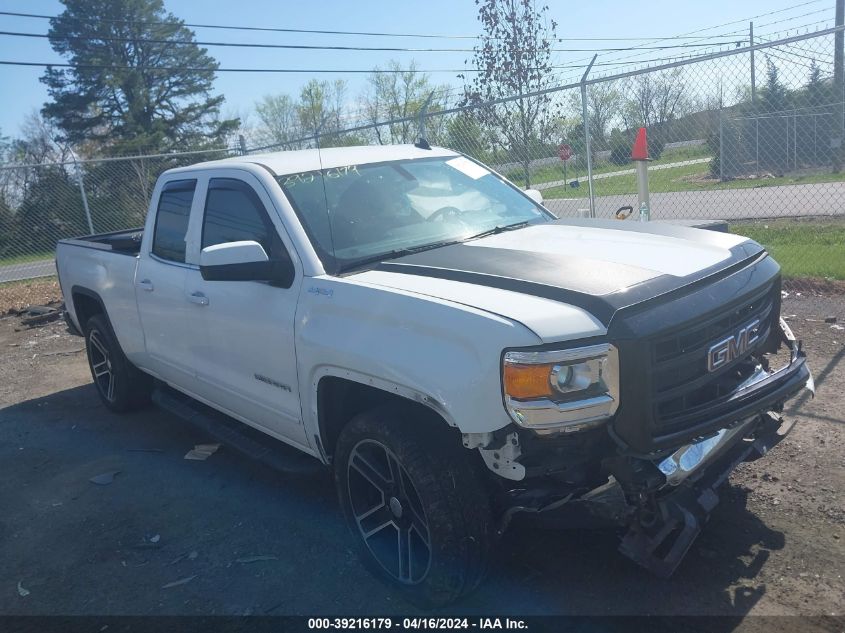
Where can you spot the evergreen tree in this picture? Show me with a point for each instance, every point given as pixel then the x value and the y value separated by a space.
pixel 774 121
pixel 138 80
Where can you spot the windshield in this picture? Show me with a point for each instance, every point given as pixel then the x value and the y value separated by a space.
pixel 360 213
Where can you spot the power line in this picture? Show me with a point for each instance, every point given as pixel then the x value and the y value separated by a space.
pixel 250 70
pixel 74 38
pixel 299 70
pixel 357 33
pixel 724 24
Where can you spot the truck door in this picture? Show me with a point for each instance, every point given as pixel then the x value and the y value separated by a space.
pixel 245 356
pixel 160 287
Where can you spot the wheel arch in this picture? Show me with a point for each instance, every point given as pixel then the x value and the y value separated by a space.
pixel 86 303
pixel 341 395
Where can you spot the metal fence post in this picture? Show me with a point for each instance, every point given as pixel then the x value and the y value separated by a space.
pixel 422 141
pixel 80 180
pixel 585 116
pixel 721 148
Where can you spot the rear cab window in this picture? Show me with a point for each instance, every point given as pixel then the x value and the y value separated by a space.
pixel 171 224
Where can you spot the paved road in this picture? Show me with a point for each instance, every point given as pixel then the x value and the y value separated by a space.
pixel 722 204
pixel 625 172
pixel 28 270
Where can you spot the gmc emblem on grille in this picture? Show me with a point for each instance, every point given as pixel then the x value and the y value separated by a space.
pixel 723 352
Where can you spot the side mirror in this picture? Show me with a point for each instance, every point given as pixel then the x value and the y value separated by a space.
pixel 535 195
pixel 244 261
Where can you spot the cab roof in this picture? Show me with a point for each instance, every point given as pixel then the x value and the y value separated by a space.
pixel 295 161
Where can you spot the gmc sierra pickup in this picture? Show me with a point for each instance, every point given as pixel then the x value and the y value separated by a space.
pixel 457 355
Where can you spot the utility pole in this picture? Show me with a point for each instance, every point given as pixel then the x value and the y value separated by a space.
pixel 838 88
pixel 753 67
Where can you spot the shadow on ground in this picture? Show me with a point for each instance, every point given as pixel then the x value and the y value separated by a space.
pixel 80 548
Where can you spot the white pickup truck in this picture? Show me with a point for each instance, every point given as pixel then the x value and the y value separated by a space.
pixel 460 357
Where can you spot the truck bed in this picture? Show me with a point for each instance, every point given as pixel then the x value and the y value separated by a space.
pixel 102 268
pixel 126 242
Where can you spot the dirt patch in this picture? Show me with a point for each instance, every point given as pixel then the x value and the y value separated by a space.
pixel 18 295
pixel 813 286
pixel 774 545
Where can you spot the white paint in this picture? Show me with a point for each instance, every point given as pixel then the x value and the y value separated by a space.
pixel 243 252
pixel 550 320
pixel 311 159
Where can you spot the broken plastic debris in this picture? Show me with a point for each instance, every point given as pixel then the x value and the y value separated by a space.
pixel 202 452
pixel 104 479
pixel 155 539
pixel 255 559
pixel 181 581
pixel 22 592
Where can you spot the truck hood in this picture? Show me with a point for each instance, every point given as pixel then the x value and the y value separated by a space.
pixel 568 277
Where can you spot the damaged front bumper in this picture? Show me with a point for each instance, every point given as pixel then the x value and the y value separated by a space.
pixel 664 499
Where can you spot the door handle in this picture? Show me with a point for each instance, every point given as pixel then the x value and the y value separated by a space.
pixel 146 284
pixel 198 298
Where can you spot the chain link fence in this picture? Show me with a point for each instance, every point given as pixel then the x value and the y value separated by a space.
pixel 752 136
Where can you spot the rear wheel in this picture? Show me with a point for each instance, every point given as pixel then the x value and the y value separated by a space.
pixel 120 385
pixel 415 502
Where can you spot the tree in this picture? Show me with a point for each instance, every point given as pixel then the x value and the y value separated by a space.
pixel 773 121
pixel 514 59
pixel 604 102
pixel 138 80
pixel 320 110
pixel 279 120
pixel 398 95
pixel 657 99
pixel 465 134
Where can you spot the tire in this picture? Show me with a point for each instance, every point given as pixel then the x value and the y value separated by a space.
pixel 406 481
pixel 120 385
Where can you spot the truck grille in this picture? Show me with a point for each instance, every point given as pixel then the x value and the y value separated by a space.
pixel 681 385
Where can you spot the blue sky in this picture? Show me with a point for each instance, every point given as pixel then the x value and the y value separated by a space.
pixel 598 18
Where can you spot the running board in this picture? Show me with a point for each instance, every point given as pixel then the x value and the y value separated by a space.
pixel 250 442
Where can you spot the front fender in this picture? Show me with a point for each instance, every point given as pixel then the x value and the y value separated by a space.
pixel 438 353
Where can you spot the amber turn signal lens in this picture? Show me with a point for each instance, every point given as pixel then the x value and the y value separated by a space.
pixel 527 382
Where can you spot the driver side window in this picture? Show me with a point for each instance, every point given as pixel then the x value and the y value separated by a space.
pixel 234 212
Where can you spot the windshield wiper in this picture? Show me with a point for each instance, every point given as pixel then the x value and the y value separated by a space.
pixel 498 229
pixel 402 252
pixel 396 253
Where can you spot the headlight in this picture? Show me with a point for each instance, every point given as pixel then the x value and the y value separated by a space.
pixel 565 390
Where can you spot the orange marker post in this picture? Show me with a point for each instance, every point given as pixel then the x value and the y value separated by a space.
pixel 639 154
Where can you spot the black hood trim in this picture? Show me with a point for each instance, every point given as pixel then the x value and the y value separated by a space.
pixel 582 282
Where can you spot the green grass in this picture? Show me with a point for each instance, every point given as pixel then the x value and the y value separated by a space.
pixel 555 172
pixel 687 178
pixel 802 248
pixel 25 259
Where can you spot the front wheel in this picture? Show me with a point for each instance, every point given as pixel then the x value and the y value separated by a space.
pixel 415 502
pixel 120 385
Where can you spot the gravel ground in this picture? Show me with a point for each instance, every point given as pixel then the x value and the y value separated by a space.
pixel 67 546
pixel 17 295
